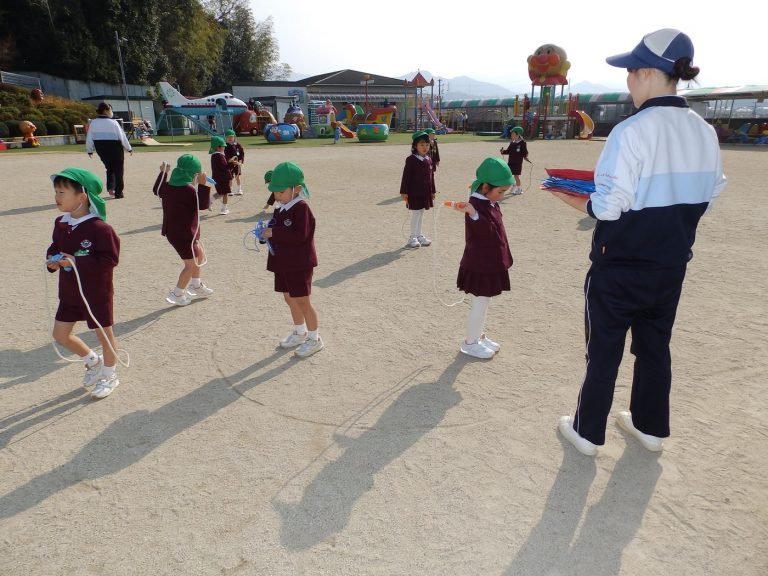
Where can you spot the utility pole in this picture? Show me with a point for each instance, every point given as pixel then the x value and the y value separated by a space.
pixel 122 73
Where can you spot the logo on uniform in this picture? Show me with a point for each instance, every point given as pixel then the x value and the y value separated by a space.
pixel 86 243
pixel 287 222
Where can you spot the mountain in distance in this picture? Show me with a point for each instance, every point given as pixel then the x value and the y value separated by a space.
pixel 466 88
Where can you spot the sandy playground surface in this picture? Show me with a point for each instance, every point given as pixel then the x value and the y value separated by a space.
pixel 389 452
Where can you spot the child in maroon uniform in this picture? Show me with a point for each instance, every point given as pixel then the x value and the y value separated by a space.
pixel 292 235
pixel 417 187
pixel 483 271
pixel 434 151
pixel 236 157
pixel 181 224
pixel 82 236
pixel 220 172
pixel 271 199
pixel 517 151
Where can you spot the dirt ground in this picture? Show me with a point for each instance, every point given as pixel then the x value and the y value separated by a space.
pixel 389 452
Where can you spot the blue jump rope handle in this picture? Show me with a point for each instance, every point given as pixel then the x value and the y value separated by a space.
pixel 210 180
pixel 56 258
pixel 260 226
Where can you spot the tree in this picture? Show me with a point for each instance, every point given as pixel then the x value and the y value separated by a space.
pixel 192 49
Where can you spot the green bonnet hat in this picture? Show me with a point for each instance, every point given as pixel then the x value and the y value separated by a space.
pixel 418 134
pixel 286 175
pixel 187 166
pixel 267 176
pixel 216 141
pixel 493 171
pixel 92 186
pixel 518 129
pixel 230 132
pixel 429 130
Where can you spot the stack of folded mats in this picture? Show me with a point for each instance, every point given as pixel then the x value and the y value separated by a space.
pixel 569 181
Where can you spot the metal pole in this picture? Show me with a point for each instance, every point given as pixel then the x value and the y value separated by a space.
pixel 122 73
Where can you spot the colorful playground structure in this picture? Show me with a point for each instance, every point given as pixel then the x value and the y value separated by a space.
pixel 353 121
pixel 281 133
pixel 253 122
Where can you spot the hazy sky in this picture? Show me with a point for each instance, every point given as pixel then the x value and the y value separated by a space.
pixel 490 40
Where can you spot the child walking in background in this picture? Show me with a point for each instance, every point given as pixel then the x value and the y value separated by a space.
pixel 517 151
pixel 417 188
pixel 220 172
pixel 293 242
pixel 434 152
pixel 271 199
pixel 83 236
pixel 483 271
pixel 235 155
pixel 181 224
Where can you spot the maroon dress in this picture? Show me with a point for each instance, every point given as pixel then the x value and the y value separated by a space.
pixel 293 243
pixel 96 249
pixel 483 270
pixel 220 172
pixel 181 223
pixel 418 182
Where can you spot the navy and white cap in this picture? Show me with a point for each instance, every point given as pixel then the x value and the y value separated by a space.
pixel 660 49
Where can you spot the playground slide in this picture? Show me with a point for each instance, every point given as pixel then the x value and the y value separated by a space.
pixel 435 120
pixel 345 131
pixel 587 124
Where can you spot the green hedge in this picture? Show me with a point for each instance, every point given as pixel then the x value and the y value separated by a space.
pixel 4 133
pixel 54 128
pixel 13 128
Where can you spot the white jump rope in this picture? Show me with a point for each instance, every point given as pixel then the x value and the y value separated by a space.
pixel 61 258
pixel 434 258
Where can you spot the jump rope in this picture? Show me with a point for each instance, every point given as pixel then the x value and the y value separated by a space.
pixel 451 204
pixel 211 182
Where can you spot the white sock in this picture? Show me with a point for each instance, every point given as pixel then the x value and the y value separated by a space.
pixel 196 282
pixel 108 370
pixel 476 318
pixel 300 328
pixel 421 222
pixel 90 359
pixel 312 334
pixel 416 216
pixel 178 291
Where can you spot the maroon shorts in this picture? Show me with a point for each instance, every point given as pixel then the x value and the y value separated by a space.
pixel 223 188
pixel 77 312
pixel 184 248
pixel 297 283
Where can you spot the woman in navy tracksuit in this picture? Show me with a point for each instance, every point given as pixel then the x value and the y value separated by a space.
pixel 108 139
pixel 658 174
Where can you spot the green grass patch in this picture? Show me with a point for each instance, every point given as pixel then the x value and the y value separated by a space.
pixel 201 143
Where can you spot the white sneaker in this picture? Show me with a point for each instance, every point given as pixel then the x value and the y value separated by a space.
pixel 105 386
pixel 224 210
pixel 652 443
pixel 490 344
pixel 423 240
pixel 516 191
pixel 238 192
pixel 293 339
pixel 413 242
pixel 581 444
pixel 92 373
pixel 182 300
pixel 309 347
pixel 201 291
pixel 478 350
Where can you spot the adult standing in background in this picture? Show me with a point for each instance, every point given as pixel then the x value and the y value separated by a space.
pixel 658 174
pixel 108 139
